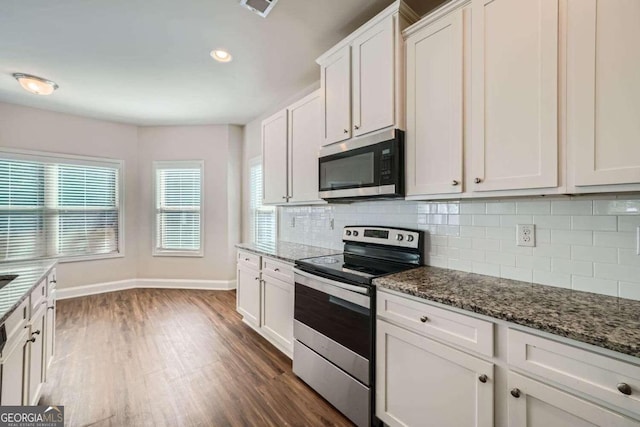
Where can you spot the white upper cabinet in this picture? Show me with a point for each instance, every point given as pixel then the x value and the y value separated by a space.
pixel 435 107
pixel 373 79
pixel 362 77
pixel 274 158
pixel 336 88
pixel 603 90
pixel 514 94
pixel 305 140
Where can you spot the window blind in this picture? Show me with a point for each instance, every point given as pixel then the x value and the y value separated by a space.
pixel 178 208
pixel 57 207
pixel 263 217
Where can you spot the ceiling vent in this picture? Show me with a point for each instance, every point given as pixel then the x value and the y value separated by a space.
pixel 261 7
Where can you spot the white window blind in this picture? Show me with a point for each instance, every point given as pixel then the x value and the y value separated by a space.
pixel 56 207
pixel 264 218
pixel 178 208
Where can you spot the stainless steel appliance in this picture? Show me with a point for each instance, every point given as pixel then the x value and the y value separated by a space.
pixel 334 315
pixel 367 167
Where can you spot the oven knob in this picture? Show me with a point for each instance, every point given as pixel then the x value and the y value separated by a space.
pixel 399 237
pixel 355 233
pixel 348 232
pixel 409 238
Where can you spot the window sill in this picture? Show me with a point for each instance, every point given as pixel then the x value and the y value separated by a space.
pixel 178 254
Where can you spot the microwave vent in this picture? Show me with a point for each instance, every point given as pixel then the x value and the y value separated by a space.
pixel 261 7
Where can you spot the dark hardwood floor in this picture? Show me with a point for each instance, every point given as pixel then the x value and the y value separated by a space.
pixel 152 357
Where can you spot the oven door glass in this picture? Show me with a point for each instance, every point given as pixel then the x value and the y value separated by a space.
pixel 344 322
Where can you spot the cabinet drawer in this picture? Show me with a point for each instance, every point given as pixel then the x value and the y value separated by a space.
pixel 249 259
pixel 277 269
pixel 18 319
pixel 458 329
pixel 38 295
pixel 593 374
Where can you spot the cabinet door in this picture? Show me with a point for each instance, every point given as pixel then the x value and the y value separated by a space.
pixel 336 95
pixel 274 158
pixel 36 355
pixel 374 79
pixel 277 311
pixel 248 294
pixel 540 405
pixel 14 386
pixel 603 90
pixel 305 140
pixel 50 332
pixel 421 381
pixel 514 94
pixel 434 108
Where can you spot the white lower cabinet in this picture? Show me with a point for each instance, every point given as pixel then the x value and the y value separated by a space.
pixel 37 354
pixel 534 404
pixel 15 354
pixel 277 311
pixel 422 382
pixel 265 298
pixel 425 377
pixel 248 294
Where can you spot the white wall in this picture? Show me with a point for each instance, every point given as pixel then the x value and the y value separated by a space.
pixel 33 129
pixel 583 243
pixel 219 147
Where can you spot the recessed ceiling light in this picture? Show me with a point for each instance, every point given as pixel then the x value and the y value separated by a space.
pixel 221 55
pixel 36 85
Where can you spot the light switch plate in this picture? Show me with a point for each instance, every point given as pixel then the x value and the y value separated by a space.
pixel 526 235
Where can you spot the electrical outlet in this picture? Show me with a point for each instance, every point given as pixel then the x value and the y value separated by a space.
pixel 526 235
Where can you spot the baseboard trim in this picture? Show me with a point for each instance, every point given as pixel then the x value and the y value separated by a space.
pixel 122 285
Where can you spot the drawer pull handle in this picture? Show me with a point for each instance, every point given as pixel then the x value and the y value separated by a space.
pixel 256 278
pixel 53 307
pixel 624 388
pixel 36 332
pixel 247 259
pixel 276 269
pixel 53 281
pixel 515 393
pixel 454 182
pixel 31 340
pixel 346 131
pixel 477 180
pixel 483 378
pixel 424 319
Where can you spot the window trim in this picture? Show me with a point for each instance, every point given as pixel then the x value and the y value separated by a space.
pixel 46 156
pixel 155 251
pixel 253 162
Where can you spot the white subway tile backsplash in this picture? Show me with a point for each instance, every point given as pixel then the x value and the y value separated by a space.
pixel 576 237
pixel 601 223
pixel 572 207
pixel 588 242
pixel 537 207
pixel 599 286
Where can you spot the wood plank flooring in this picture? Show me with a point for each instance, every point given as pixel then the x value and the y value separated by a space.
pixel 155 357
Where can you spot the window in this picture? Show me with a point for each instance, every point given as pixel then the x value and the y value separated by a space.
pixel 55 206
pixel 263 218
pixel 178 204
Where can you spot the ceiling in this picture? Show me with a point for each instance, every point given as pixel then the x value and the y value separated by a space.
pixel 147 62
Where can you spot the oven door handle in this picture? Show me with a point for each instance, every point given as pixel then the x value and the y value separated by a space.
pixel 354 294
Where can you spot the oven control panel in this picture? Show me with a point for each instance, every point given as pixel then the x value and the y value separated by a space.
pixel 382 236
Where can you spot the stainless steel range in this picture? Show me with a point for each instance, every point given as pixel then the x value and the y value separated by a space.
pixel 334 317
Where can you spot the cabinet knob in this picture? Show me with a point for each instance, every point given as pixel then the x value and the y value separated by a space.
pixel 624 388
pixel 256 278
pixel 53 281
pixel 483 378
pixel 36 332
pixel 31 340
pixel 247 259
pixel 515 393
pixel 53 307
pixel 477 180
pixel 357 127
pixel 454 183
pixel 276 269
pixel 346 131
pixel 424 319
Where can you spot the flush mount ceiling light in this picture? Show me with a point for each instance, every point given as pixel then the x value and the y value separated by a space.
pixel 36 85
pixel 221 55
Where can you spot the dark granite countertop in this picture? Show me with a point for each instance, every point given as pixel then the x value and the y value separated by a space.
pixel 604 321
pixel 29 275
pixel 287 251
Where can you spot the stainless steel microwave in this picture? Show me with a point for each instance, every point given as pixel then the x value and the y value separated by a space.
pixel 366 168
